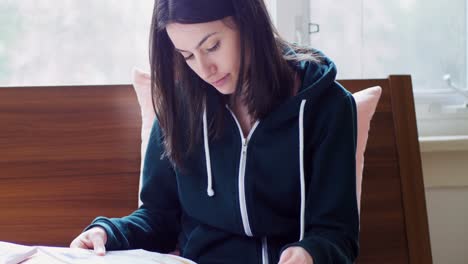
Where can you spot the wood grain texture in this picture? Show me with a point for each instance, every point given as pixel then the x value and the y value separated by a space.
pixel 394 226
pixel 70 154
pixel 417 227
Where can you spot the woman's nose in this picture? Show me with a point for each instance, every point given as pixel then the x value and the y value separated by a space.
pixel 206 69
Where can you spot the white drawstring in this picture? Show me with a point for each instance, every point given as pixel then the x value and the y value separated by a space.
pixel 301 161
pixel 209 189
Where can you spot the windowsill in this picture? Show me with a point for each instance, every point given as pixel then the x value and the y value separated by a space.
pixel 443 143
pixel 444 161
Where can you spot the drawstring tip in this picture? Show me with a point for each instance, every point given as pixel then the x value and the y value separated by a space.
pixel 210 192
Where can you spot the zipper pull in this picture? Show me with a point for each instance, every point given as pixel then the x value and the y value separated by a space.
pixel 244 147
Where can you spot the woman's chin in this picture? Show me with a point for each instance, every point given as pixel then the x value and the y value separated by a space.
pixel 225 89
pixel 222 91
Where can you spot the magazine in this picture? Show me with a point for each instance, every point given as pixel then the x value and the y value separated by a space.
pixel 11 253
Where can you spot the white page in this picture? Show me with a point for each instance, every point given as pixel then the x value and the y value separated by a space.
pixel 11 253
pixel 136 256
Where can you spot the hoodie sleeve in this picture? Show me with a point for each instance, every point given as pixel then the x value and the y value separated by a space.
pixel 331 214
pixel 156 224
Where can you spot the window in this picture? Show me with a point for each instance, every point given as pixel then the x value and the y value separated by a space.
pixel 48 42
pixel 372 39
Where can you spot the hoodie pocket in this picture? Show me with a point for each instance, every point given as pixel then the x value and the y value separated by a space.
pixel 210 245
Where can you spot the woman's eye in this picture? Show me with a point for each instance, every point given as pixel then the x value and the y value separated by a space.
pixel 215 47
pixel 189 57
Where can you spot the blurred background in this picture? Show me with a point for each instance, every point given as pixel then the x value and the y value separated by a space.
pixel 49 42
pixel 71 42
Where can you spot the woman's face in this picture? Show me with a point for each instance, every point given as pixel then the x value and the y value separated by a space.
pixel 211 50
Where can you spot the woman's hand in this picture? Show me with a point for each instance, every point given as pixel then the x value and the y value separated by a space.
pixel 295 255
pixel 94 238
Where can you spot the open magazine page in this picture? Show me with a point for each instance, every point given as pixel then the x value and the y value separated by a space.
pixel 11 253
pixel 137 256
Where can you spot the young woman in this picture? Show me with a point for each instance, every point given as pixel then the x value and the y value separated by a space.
pixel 252 156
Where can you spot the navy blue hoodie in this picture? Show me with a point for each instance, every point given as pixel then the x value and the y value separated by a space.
pixel 291 182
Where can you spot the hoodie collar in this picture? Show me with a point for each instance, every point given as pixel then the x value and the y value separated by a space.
pixel 317 77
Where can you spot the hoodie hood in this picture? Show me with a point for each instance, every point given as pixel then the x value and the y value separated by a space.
pixel 317 75
pixel 316 78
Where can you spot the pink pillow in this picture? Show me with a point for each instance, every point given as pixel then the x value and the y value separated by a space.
pixel 142 86
pixel 366 103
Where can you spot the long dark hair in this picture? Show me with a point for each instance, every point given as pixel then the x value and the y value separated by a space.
pixel 179 93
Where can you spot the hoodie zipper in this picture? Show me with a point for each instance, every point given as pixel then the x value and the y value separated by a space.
pixel 264 250
pixel 242 166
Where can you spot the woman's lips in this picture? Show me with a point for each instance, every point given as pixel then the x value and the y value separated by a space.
pixel 221 81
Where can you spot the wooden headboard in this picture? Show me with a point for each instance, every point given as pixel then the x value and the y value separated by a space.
pixel 71 153
pixel 394 227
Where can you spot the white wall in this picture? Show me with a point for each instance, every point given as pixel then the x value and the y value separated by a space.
pixel 446 185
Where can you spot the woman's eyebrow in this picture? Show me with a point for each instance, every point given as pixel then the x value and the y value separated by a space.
pixel 201 41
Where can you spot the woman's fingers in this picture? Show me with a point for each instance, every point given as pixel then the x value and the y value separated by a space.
pixel 98 242
pixel 295 255
pixel 285 256
pixel 77 243
pixel 95 238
